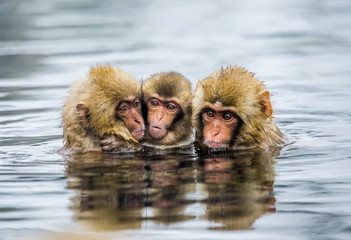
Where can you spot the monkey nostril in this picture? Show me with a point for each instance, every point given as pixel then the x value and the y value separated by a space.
pixel 215 133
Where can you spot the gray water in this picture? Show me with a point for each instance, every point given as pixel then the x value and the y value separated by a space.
pixel 300 48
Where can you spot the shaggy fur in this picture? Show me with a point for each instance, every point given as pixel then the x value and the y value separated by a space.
pixel 171 85
pixel 238 88
pixel 101 92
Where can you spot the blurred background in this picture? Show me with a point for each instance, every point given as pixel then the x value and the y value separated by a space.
pixel 301 49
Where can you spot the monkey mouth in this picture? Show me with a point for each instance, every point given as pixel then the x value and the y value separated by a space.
pixel 138 134
pixel 216 145
pixel 157 132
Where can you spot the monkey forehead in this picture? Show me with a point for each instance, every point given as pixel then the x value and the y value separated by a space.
pixel 218 106
pixel 112 84
pixel 164 99
pixel 168 85
pixel 232 86
pixel 130 98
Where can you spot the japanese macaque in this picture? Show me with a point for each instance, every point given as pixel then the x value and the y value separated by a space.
pixel 232 110
pixel 167 97
pixel 103 112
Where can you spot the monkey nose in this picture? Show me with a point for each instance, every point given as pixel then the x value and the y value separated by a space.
pixel 215 133
pixel 140 122
pixel 137 118
pixel 160 116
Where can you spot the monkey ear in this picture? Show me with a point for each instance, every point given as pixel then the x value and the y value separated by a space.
pixel 268 110
pixel 83 114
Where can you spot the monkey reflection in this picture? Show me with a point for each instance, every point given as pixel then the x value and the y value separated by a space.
pixel 169 191
pixel 239 187
pixel 115 192
pixel 110 190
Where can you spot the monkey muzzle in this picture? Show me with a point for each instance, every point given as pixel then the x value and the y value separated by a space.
pixel 138 134
pixel 216 145
pixel 157 132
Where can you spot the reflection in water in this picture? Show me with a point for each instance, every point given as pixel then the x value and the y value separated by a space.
pixel 239 188
pixel 110 192
pixel 116 192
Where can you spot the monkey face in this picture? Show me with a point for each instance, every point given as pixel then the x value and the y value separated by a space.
pixel 167 97
pixel 219 124
pixel 129 111
pixel 232 110
pixel 161 114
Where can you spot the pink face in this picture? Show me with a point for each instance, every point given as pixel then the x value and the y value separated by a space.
pixel 130 113
pixel 219 125
pixel 161 114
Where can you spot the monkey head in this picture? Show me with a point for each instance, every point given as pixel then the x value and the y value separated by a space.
pixel 167 97
pixel 232 109
pixel 107 102
pixel 113 104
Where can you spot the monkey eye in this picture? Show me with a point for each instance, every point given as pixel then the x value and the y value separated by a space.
pixel 154 103
pixel 122 108
pixel 171 107
pixel 227 116
pixel 136 104
pixel 210 113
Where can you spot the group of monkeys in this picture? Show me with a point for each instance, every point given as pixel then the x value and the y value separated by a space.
pixel 110 111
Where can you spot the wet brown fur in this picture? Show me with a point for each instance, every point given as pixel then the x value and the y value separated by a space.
pixel 171 85
pixel 236 87
pixel 100 92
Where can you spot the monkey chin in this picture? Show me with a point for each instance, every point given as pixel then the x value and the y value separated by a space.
pixel 138 134
pixel 157 132
pixel 216 146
